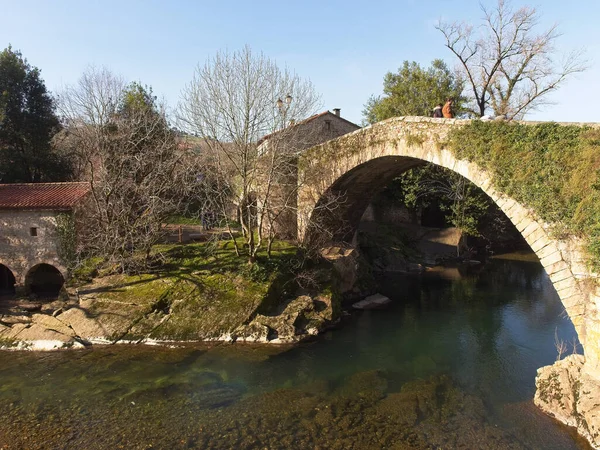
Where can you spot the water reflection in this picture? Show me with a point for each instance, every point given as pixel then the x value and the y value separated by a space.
pixel 451 364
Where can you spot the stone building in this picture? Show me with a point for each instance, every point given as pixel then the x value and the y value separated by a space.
pixel 291 141
pixel 314 130
pixel 30 260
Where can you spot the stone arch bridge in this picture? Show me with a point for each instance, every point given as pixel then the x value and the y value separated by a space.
pixel 359 164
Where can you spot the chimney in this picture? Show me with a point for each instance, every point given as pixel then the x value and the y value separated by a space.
pixel 336 111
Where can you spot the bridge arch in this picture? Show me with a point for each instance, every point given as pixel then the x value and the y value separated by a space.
pixel 44 280
pixel 358 165
pixel 8 281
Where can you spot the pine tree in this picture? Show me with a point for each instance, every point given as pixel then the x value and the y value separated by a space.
pixel 27 124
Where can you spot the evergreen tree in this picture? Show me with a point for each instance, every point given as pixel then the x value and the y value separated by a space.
pixel 27 124
pixel 415 91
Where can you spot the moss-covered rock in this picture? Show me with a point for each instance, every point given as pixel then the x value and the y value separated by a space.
pixel 296 320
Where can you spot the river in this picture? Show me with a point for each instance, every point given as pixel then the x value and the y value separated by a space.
pixel 451 364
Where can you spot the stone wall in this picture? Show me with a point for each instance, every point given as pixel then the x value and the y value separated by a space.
pixel 322 129
pixel 292 140
pixel 307 134
pixel 19 250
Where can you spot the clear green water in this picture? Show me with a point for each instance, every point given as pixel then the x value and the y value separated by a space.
pixel 450 365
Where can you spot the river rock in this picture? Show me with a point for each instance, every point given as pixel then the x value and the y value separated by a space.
pixel 253 332
pixel 375 301
pixel 566 392
pixel 53 324
pixel 83 324
pixel 345 265
pixel 415 268
pixel 30 306
pixel 14 319
pixel 300 318
pixel 49 308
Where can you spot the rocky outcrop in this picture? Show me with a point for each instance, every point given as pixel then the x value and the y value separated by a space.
pixel 345 264
pixel 302 317
pixel 567 392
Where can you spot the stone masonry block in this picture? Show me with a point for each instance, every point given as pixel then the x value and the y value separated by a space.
pixel 507 206
pixel 513 210
pixel 551 259
pixel 577 310
pixel 531 226
pixel 494 195
pixel 462 167
pixel 535 235
pixel 564 284
pixel 519 216
pixel 522 223
pixel 573 301
pixel 486 182
pixel 542 242
pixel 546 250
pixel 558 267
pixel 561 275
pixel 447 159
pixel 568 292
pixel 501 201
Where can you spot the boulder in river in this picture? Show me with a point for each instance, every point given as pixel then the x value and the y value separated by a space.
pixel 376 301
pixel 568 393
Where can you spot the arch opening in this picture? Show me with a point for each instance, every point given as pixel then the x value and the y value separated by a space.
pixel 7 282
pixel 374 191
pixel 45 281
pixel 338 211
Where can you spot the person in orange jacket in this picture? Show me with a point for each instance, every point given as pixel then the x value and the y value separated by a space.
pixel 447 109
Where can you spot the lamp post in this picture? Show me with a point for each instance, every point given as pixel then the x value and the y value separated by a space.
pixel 283 107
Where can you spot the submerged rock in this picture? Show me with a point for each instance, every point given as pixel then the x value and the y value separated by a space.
pixel 376 301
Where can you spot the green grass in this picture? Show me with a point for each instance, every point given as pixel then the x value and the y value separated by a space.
pixel 205 288
pixel 182 220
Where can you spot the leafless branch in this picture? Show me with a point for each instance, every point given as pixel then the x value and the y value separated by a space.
pixel 510 66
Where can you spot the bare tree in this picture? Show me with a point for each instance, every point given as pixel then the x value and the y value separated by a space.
pixel 232 102
pixel 508 65
pixel 131 157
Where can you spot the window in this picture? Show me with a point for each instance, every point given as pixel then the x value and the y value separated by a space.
pixel 33 231
pixel 328 124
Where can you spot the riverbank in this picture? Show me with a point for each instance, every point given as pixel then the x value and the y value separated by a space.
pixel 450 364
pixel 199 292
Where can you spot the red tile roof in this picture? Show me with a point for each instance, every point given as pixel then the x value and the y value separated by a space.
pixel 49 196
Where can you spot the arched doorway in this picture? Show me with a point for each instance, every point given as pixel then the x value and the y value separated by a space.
pixel 45 281
pixel 7 282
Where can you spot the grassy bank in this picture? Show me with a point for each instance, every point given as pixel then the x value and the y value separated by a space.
pixel 197 291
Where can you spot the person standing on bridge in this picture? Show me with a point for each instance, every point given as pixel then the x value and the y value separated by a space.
pixel 437 111
pixel 447 110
